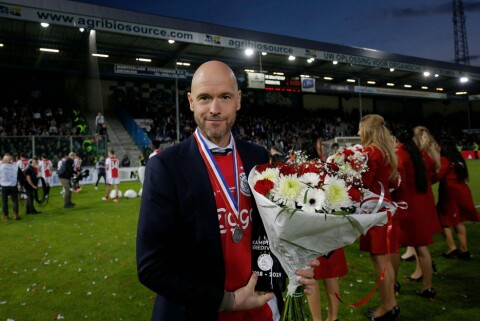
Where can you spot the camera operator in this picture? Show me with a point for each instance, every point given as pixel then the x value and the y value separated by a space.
pixel 65 174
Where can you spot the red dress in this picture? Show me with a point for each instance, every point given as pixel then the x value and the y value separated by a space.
pixel 375 241
pixel 455 202
pixel 419 221
pixel 334 266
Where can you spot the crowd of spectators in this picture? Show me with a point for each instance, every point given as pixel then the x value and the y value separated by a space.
pixel 289 128
pixel 281 126
pixel 29 127
pixel 270 122
pixel 23 119
pixel 267 126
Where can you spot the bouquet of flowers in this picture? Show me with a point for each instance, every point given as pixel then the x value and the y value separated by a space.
pixel 310 208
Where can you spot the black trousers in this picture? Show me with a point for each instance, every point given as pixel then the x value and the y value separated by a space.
pixel 100 176
pixel 9 191
pixel 30 202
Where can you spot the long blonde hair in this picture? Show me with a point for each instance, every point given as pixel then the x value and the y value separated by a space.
pixel 374 132
pixel 425 141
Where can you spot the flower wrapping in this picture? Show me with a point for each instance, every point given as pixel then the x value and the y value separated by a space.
pixel 297 235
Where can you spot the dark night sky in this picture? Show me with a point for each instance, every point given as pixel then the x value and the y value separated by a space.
pixel 419 28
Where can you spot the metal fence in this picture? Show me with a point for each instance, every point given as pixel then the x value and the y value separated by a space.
pixel 55 147
pixel 347 140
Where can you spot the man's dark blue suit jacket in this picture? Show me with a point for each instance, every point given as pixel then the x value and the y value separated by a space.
pixel 179 250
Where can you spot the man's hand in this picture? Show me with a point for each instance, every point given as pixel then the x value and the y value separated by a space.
pixel 306 276
pixel 247 299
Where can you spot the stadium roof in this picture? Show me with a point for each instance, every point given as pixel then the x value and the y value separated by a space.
pixel 125 36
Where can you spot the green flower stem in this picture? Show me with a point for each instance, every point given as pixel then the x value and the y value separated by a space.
pixel 294 307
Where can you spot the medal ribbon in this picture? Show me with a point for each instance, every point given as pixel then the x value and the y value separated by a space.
pixel 212 167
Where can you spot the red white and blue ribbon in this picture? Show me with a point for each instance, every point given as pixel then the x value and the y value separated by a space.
pixel 230 199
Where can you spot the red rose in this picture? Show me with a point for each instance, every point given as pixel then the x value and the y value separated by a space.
pixel 347 152
pixel 310 167
pixel 287 169
pixel 261 168
pixel 357 183
pixel 356 164
pixel 354 194
pixel 263 186
pixel 332 167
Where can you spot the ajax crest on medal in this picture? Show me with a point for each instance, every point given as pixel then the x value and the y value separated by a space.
pixel 244 188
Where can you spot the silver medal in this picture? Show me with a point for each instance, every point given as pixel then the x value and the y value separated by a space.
pixel 237 234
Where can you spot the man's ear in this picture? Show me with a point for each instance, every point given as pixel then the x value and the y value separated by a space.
pixel 239 100
pixel 190 101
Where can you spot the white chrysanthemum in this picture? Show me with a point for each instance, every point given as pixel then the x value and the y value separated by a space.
pixel 287 190
pixel 311 200
pixel 271 174
pixel 336 194
pixel 349 172
pixel 338 159
pixel 311 179
pixel 358 154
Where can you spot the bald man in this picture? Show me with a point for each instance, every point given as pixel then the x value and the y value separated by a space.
pixel 9 174
pixel 195 225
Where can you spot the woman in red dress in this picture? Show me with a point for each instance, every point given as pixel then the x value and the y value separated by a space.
pixel 431 155
pixel 455 203
pixel 426 143
pixel 382 164
pixel 332 266
pixel 418 223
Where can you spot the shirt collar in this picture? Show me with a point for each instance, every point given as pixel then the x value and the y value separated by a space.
pixel 213 146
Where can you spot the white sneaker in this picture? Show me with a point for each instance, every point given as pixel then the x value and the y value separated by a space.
pixel 96 188
pixel 105 199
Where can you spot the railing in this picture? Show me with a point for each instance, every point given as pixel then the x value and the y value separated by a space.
pixel 347 140
pixel 55 147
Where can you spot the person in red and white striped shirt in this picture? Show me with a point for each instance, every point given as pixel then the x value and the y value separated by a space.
pixel 46 169
pixel 22 163
pixel 77 164
pixel 112 165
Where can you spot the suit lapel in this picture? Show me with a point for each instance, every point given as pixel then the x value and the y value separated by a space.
pixel 195 173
